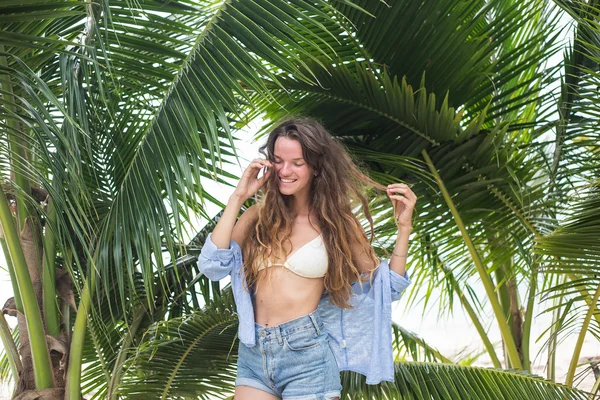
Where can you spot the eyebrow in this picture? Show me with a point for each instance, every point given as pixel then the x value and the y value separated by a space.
pixel 294 159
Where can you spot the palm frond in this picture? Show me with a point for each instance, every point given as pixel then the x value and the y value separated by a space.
pixel 443 381
pixel 575 243
pixel 479 52
pixel 408 345
pixel 237 44
pixel 137 145
pixel 192 356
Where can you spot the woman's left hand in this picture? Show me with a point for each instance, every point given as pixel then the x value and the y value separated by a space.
pixel 404 201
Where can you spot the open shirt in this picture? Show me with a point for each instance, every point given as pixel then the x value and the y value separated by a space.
pixel 362 335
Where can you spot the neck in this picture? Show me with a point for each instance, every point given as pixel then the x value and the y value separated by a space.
pixel 300 204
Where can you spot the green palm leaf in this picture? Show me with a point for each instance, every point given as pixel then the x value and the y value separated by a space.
pixel 449 382
pixel 410 346
pixel 575 243
pixel 236 45
pixel 193 356
pixel 459 48
pixel 137 145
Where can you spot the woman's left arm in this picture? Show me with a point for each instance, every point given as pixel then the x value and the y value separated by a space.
pixel 404 201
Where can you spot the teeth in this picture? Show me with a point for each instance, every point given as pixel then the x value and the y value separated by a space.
pixel 287 180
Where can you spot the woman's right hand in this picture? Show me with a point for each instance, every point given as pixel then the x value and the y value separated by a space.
pixel 249 182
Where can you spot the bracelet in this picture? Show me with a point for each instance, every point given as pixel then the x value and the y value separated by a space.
pixel 400 255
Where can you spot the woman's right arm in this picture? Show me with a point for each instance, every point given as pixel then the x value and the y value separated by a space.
pixel 217 261
pixel 221 235
pixel 247 186
pixel 221 250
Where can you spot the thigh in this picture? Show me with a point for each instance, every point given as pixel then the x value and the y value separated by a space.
pixel 250 393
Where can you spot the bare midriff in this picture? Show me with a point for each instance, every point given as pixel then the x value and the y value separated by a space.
pixel 283 296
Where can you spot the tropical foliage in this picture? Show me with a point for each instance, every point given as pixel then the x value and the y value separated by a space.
pixel 114 114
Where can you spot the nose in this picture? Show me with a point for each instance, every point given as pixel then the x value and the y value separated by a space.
pixel 285 169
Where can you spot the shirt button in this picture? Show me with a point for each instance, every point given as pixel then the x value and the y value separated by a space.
pixel 343 344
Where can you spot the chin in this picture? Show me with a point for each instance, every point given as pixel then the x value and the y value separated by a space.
pixel 286 191
pixel 290 190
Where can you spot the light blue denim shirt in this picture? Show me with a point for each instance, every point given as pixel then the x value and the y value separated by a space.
pixel 362 336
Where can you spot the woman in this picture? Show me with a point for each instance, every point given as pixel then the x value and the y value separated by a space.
pixel 311 295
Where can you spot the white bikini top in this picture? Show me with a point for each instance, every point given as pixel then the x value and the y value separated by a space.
pixel 309 261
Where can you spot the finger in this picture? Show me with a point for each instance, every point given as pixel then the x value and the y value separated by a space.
pixel 397 185
pixel 411 194
pixel 252 171
pixel 266 163
pixel 404 206
pixel 402 199
pixel 398 190
pixel 404 191
pixel 262 162
pixel 258 161
pixel 261 181
pixel 254 167
pixel 400 194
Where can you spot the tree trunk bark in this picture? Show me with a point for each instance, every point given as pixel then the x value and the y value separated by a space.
pixel 58 347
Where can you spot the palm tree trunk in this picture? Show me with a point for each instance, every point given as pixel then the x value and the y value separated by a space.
pixel 51 315
pixel 475 319
pixel 30 323
pixel 73 383
pixel 509 298
pixel 13 277
pixel 580 339
pixel 17 146
pixel 528 318
pixel 505 331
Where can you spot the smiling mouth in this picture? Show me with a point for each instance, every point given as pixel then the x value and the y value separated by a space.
pixel 287 180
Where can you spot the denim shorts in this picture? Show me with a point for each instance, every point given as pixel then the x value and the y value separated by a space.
pixel 292 360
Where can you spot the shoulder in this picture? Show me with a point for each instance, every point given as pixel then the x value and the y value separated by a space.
pixel 242 227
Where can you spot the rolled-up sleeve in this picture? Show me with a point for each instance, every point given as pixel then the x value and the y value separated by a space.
pixel 217 263
pixel 398 283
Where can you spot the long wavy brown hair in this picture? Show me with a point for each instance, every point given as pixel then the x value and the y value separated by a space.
pixel 338 189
